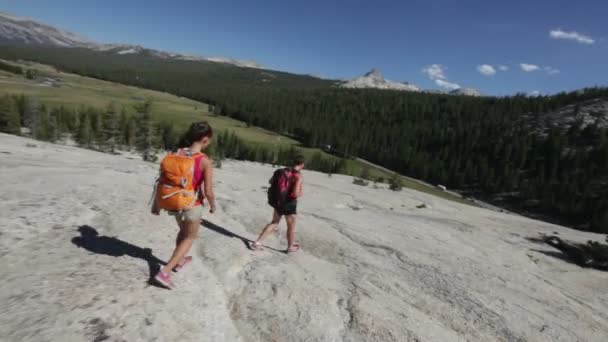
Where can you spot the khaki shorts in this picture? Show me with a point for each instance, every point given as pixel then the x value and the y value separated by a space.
pixel 193 215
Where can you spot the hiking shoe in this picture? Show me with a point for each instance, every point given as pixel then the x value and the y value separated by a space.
pixel 294 248
pixel 164 279
pixel 183 263
pixel 255 245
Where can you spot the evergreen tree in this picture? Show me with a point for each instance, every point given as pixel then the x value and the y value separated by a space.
pixel 53 132
pixel 97 129
pixel 128 129
pixel 110 128
pixel 167 136
pixel 144 131
pixel 83 136
pixel 28 110
pixel 46 125
pixel 9 116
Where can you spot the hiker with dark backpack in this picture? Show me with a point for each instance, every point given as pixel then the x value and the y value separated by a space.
pixel 283 193
pixel 185 181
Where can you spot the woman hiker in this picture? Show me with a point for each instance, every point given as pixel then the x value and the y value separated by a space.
pixel 186 177
pixel 285 189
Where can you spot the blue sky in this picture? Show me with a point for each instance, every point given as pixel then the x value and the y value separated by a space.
pixel 432 43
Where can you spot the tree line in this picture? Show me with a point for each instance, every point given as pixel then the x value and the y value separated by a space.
pixel 15 69
pixel 113 128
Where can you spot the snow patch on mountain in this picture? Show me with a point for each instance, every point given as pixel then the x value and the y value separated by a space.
pixel 17 30
pixel 241 63
pixel 126 52
pixel 465 92
pixel 374 79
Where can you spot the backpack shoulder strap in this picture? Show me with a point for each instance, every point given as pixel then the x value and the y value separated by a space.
pixel 187 152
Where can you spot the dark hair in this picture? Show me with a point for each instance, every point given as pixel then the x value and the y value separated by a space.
pixel 298 160
pixel 196 132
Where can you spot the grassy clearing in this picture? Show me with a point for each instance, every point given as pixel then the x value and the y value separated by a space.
pixel 74 91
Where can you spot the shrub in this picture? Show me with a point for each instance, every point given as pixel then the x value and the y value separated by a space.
pixel 365 174
pixel 30 74
pixel 359 181
pixel 395 183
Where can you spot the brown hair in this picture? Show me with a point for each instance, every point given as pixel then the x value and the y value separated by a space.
pixel 298 160
pixel 196 132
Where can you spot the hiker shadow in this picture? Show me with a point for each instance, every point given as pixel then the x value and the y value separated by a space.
pixel 90 240
pixel 221 230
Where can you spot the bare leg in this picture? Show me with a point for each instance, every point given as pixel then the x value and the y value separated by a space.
pixel 189 231
pixel 291 230
pixel 181 235
pixel 276 218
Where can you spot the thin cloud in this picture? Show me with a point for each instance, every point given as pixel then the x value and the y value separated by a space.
pixel 486 70
pixel 551 70
pixel 447 84
pixel 533 67
pixel 436 72
pixel 528 67
pixel 572 35
pixel 503 68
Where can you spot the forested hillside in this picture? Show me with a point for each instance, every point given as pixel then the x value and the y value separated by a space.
pixel 485 146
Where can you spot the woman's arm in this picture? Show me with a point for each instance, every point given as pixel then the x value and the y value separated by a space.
pixel 207 167
pixel 297 188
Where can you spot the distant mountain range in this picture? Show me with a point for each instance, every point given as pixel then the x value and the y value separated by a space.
pixel 18 30
pixel 24 31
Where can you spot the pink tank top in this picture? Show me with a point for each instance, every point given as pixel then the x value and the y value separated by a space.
pixel 198 177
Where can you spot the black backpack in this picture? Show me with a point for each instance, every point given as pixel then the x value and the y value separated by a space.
pixel 281 186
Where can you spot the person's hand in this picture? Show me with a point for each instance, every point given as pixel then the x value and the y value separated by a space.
pixel 212 208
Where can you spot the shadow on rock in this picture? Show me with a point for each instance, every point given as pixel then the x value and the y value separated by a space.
pixel 591 254
pixel 90 240
pixel 221 230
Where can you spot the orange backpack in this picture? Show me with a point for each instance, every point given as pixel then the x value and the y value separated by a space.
pixel 175 187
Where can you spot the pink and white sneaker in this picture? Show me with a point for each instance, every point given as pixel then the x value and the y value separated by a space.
pixel 294 248
pixel 164 279
pixel 183 263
